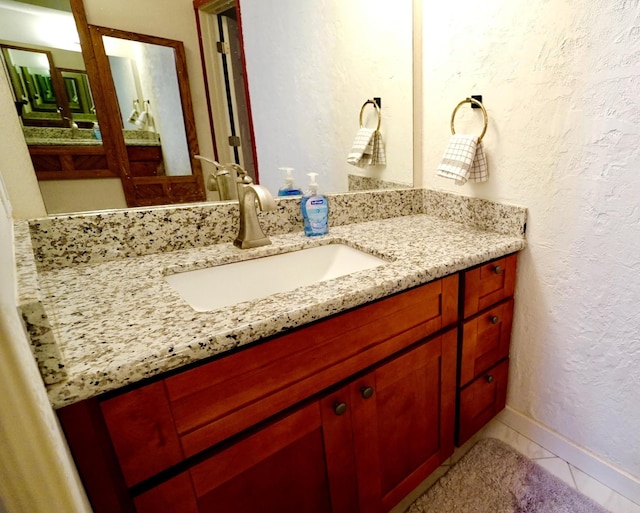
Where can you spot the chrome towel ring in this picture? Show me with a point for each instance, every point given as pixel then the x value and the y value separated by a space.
pixel 375 106
pixel 453 116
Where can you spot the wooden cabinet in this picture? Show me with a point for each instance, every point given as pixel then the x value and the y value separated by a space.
pixel 197 437
pixel 279 468
pixel 400 417
pixel 362 447
pixel 145 160
pixel 346 415
pixel 70 162
pixel 486 319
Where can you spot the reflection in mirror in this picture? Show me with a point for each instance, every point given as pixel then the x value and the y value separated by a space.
pixel 310 67
pixel 146 84
pixel 78 93
pixel 147 96
pixel 302 120
pixel 41 56
pixel 30 74
pixel 226 86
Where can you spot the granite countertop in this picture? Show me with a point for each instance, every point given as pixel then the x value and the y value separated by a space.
pixel 49 141
pixel 47 136
pixel 118 322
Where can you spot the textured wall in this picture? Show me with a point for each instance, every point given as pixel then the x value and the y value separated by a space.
pixel 310 67
pixel 560 82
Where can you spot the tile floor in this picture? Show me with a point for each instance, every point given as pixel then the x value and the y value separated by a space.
pixel 609 499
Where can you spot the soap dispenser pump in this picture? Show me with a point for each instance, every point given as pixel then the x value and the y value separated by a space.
pixel 315 210
pixel 288 189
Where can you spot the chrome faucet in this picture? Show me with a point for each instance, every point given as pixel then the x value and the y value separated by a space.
pixel 250 234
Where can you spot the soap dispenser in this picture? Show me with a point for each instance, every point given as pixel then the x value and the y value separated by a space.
pixel 96 132
pixel 288 189
pixel 315 210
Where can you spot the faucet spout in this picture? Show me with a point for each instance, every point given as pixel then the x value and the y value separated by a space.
pixel 252 197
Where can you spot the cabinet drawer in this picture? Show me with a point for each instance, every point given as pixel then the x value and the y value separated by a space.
pixel 485 340
pixel 217 400
pixel 489 283
pixel 482 400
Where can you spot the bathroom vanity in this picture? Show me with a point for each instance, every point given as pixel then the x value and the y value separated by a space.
pixel 338 397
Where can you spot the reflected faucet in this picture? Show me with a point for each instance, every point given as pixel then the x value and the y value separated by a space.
pixel 250 234
pixel 222 179
pixel 75 131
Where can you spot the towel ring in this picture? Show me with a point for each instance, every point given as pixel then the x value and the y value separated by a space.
pixel 375 105
pixel 453 116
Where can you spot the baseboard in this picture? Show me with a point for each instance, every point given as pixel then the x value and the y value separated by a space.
pixel 616 479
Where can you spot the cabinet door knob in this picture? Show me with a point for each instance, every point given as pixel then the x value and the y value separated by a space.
pixel 366 392
pixel 497 269
pixel 488 378
pixel 494 319
pixel 340 408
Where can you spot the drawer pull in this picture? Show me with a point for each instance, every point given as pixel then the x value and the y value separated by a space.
pixel 488 378
pixel 340 408
pixel 494 319
pixel 366 392
pixel 497 269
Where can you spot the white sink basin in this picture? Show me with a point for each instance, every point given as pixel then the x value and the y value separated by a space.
pixel 228 284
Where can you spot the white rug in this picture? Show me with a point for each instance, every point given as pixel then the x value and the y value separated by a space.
pixel 494 478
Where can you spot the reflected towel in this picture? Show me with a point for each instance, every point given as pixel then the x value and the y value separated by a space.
pixel 464 160
pixel 367 149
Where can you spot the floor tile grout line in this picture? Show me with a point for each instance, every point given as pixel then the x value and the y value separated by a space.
pixel 573 477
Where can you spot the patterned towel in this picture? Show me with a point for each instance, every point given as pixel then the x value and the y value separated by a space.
pixel 367 149
pixel 463 160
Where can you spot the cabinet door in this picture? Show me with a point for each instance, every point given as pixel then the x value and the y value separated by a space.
pixel 402 419
pixel 279 469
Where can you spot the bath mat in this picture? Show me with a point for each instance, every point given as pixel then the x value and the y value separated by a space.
pixel 494 478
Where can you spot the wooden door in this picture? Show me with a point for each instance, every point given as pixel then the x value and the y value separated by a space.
pixel 393 427
pixel 411 427
pixel 278 469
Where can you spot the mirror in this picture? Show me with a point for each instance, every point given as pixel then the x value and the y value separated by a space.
pixel 148 94
pixel 30 73
pixel 46 95
pixel 310 67
pixel 78 94
pixel 146 87
pixel 374 45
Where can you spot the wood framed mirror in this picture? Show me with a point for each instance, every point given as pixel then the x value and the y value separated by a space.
pixel 148 100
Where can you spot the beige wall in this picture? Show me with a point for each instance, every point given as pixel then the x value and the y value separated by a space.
pixel 36 472
pixel 15 163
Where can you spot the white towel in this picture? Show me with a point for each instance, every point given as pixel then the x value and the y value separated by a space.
pixel 367 149
pixel 463 160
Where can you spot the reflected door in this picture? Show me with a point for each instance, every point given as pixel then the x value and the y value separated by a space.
pixel 226 85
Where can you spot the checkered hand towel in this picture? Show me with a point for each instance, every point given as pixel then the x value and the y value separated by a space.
pixel 463 160
pixel 379 157
pixel 367 149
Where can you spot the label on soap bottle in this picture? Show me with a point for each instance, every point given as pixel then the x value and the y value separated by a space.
pixel 316 210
